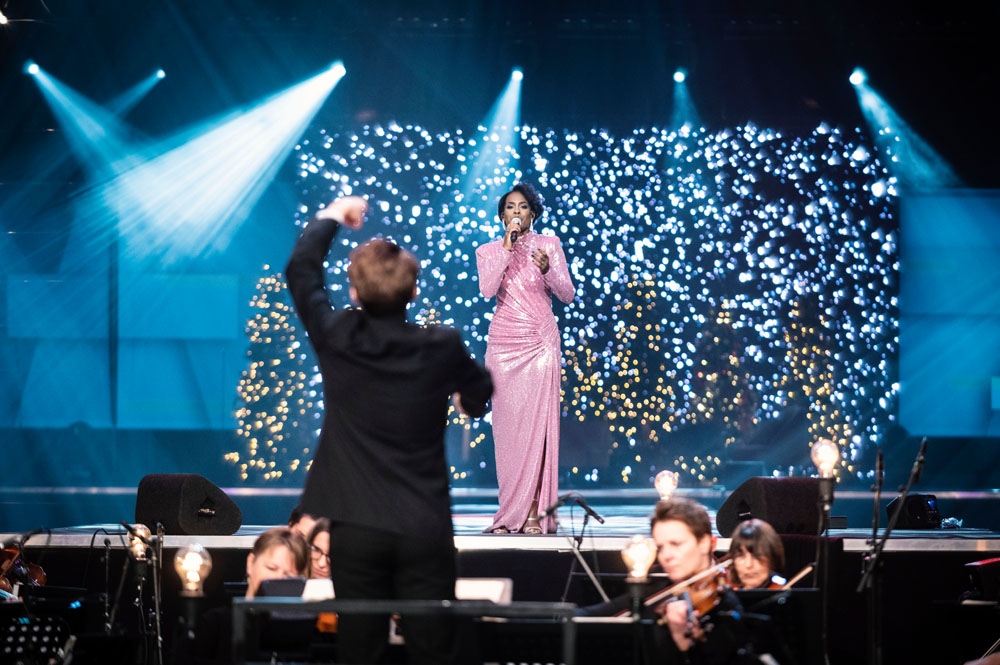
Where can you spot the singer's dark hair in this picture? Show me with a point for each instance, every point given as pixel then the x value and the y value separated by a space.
pixel 533 198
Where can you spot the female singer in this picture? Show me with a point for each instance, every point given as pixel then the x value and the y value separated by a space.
pixel 523 270
pixel 757 555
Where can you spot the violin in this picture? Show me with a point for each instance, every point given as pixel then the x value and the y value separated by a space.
pixel 13 568
pixel 704 589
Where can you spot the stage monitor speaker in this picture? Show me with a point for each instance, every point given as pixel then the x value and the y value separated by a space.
pixel 186 504
pixel 919 512
pixel 790 505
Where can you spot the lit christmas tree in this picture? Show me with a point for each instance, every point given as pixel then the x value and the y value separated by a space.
pixel 810 379
pixel 723 394
pixel 280 392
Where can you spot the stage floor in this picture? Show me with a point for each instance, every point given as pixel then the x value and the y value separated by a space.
pixel 622 520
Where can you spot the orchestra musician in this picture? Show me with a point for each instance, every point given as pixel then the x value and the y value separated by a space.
pixel 685 545
pixel 277 553
pixel 758 556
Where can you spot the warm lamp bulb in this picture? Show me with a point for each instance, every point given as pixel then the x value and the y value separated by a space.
pixel 193 563
pixel 639 555
pixel 825 456
pixel 666 483
pixel 137 544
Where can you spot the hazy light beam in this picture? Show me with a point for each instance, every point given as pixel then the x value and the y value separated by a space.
pixel 917 165
pixel 188 194
pixel 494 168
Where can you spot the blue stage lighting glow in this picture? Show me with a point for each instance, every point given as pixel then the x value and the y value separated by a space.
pixel 183 196
pixel 489 170
pixel 160 74
pixel 517 74
pixel 186 195
pixel 684 115
pixel 338 69
pixel 31 68
pixel 858 76
pixel 95 135
pixel 734 279
pixel 126 101
pixel 912 160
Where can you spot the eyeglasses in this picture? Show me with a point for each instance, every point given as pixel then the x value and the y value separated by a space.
pixel 318 554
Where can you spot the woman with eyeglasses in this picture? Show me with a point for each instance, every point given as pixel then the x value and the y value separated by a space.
pixel 319 550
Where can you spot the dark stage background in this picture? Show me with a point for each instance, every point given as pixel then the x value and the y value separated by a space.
pixel 759 262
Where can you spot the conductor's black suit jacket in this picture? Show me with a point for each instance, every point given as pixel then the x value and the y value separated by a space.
pixel 387 385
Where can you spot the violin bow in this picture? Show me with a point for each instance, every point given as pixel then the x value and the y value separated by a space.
pixel 680 586
pixel 798 576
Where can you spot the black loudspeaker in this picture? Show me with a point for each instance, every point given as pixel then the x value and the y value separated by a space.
pixel 186 504
pixel 790 505
pixel 919 512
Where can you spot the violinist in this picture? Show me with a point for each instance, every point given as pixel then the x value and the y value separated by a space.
pixel 683 534
pixel 758 556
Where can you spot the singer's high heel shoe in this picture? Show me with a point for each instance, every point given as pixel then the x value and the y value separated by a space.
pixel 532 526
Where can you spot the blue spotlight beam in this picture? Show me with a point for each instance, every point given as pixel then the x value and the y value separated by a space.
pixel 485 178
pixel 126 101
pixel 684 113
pixel 186 195
pixel 96 136
pixel 913 161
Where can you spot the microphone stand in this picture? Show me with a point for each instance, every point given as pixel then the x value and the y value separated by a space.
pixel 153 547
pixel 870 581
pixel 157 553
pixel 826 488
pixel 575 544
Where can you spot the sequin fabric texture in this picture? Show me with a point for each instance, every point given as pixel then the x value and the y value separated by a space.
pixel 524 356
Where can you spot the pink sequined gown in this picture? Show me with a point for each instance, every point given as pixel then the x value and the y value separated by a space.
pixel 524 356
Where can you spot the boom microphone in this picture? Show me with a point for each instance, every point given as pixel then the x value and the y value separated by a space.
pixel 587 509
pixel 555 506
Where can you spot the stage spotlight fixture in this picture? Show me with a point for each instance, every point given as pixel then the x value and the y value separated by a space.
pixel 517 74
pixel 666 483
pixel 338 69
pixel 680 75
pixel 31 68
pixel 858 76
pixel 3 19
pixel 193 563
pixel 160 74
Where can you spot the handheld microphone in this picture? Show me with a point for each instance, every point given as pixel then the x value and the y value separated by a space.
pixel 516 232
pixel 588 509
pixel 555 506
